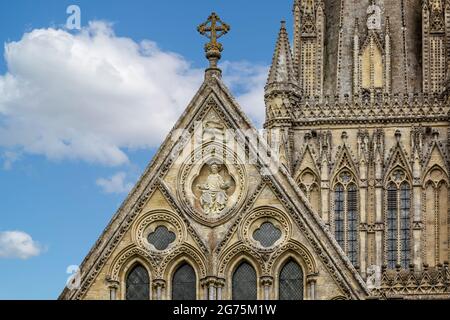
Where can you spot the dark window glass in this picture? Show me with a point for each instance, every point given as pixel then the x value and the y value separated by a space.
pixel 352 220
pixel 405 228
pixel 244 283
pixel 161 238
pixel 267 234
pixel 291 282
pixel 138 284
pixel 339 215
pixel 184 283
pixel 391 221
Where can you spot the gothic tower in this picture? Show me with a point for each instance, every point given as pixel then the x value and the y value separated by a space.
pixel 309 28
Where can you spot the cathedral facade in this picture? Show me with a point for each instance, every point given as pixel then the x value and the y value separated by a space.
pixel 345 194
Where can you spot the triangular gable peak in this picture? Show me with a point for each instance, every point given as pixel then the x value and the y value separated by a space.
pixel 308 160
pixel 435 155
pixel 214 98
pixel 398 159
pixel 344 160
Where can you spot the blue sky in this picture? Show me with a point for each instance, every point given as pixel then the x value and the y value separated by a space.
pixel 62 177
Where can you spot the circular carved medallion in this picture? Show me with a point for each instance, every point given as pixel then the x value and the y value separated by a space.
pixel 211 184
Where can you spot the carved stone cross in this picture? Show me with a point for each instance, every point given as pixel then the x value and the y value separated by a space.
pixel 213 29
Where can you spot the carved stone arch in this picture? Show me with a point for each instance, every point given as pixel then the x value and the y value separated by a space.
pixel 344 158
pixel 435 215
pixel 340 298
pixel 297 252
pixel 128 256
pixel 238 251
pixel 303 160
pixel 185 252
pixel 427 176
pixel 398 218
pixel 428 161
pixel 372 36
pixel 397 158
pixel 128 267
pixel 238 257
pixel 310 183
pixel 178 261
pixel 345 211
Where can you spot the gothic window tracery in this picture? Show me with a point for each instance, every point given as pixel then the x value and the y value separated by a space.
pixel 244 284
pixel 346 214
pixel 398 220
pixel 267 234
pixel 138 284
pixel 184 283
pixel 436 220
pixel 291 282
pixel 161 238
pixel 309 184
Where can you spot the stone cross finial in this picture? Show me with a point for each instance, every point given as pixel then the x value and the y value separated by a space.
pixel 213 29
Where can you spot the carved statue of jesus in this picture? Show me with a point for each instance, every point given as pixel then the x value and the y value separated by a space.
pixel 214 198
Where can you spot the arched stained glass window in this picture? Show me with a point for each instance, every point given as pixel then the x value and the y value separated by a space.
pixel 352 218
pixel 405 225
pixel 346 215
pixel 339 215
pixel 244 283
pixel 138 284
pixel 291 282
pixel 398 221
pixel 391 225
pixel 184 283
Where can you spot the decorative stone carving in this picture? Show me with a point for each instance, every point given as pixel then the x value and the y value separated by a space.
pixel 265 229
pixel 214 192
pixel 152 224
pixel 212 183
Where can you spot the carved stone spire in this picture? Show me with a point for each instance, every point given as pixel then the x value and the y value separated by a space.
pixel 282 69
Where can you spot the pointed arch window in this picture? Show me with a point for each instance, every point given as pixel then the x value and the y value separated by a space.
pixel 184 283
pixel 244 286
pixel 309 184
pixel 398 220
pixel 346 214
pixel 291 282
pixel 138 284
pixel 437 218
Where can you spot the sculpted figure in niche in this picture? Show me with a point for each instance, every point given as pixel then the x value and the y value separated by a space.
pixel 213 197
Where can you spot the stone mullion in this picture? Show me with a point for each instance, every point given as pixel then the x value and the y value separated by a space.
pixel 325 191
pixel 345 220
pixel 113 289
pixel 159 286
pixel 267 284
pixel 399 245
pixel 363 214
pixel 379 229
pixel 436 225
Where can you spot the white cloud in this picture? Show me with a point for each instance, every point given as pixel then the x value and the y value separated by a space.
pixel 247 81
pixel 9 157
pixel 93 95
pixel 115 184
pixel 18 244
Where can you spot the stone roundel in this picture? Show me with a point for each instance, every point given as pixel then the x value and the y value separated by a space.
pixel 265 229
pixel 159 232
pixel 212 184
